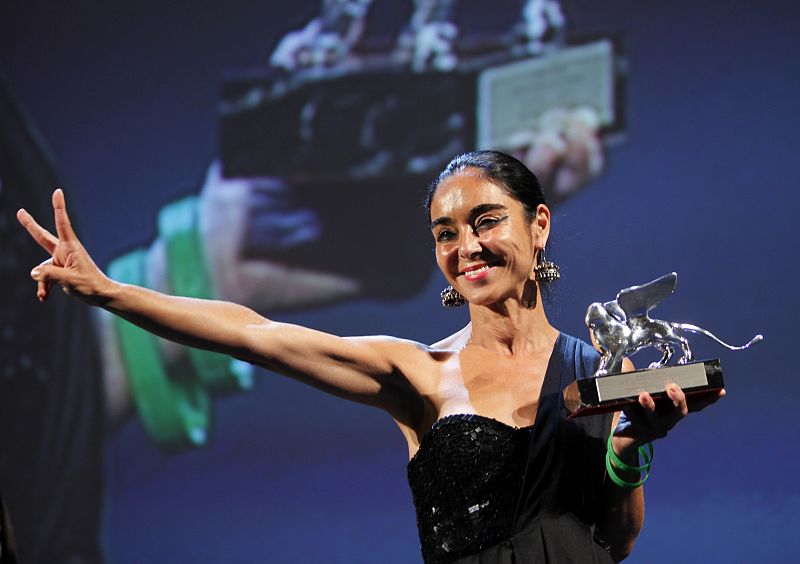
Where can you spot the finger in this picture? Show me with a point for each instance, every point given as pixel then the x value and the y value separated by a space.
pixel 647 402
pixel 42 284
pixel 543 158
pixel 63 225
pixel 48 273
pixel 656 417
pixel 678 398
pixel 657 412
pixel 41 235
pixel 44 276
pixel 39 270
pixel 576 155
pixel 42 290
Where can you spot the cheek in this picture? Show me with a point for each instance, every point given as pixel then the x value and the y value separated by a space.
pixel 444 253
pixel 498 241
pixel 446 258
pixel 513 246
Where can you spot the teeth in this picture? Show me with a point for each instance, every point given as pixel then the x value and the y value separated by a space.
pixel 477 271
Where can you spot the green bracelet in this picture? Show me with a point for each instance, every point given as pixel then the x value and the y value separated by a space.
pixel 174 411
pixel 613 462
pixel 188 276
pixel 645 453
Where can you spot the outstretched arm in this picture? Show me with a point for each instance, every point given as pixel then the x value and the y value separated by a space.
pixel 367 370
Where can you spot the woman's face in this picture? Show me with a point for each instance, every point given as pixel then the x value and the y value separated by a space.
pixel 485 245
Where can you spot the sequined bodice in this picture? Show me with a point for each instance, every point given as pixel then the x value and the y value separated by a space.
pixel 466 480
pixel 487 493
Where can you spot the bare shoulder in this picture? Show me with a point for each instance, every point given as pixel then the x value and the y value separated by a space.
pixel 393 347
pixel 421 370
pixel 415 360
pixel 410 373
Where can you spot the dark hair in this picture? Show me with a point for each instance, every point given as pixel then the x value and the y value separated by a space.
pixel 502 169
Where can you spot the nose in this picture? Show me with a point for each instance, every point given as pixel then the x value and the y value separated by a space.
pixel 470 244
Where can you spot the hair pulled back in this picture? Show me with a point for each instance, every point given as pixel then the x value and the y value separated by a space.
pixel 505 171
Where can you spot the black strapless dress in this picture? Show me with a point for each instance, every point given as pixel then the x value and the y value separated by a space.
pixel 489 493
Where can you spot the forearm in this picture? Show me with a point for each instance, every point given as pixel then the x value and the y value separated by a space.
pixel 141 371
pixel 213 325
pixel 623 515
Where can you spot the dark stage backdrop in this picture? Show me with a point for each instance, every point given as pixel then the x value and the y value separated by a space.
pixel 700 179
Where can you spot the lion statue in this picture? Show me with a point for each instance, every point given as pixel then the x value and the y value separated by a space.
pixel 623 327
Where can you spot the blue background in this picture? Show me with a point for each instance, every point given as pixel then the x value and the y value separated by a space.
pixel 704 183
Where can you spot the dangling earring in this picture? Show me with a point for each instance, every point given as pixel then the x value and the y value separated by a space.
pixel 546 271
pixel 451 298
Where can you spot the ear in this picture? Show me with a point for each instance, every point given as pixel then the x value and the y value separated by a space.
pixel 540 227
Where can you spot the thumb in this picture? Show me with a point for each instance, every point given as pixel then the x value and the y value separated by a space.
pixel 42 285
pixel 45 275
pixel 48 273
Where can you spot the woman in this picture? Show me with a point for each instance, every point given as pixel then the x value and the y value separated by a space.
pixel 497 472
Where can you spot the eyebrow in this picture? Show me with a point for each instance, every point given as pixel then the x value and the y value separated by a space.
pixel 477 210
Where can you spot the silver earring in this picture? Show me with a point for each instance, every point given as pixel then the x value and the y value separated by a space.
pixel 451 298
pixel 546 271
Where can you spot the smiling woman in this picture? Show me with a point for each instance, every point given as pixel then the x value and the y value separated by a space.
pixel 500 202
pixel 497 472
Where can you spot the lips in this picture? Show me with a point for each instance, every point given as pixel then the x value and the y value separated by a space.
pixel 477 271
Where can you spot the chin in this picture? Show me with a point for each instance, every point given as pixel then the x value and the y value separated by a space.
pixel 488 299
pixel 484 300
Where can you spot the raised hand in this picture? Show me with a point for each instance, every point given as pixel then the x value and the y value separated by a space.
pixel 648 420
pixel 566 151
pixel 69 264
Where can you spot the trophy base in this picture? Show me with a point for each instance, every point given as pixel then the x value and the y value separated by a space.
pixel 589 396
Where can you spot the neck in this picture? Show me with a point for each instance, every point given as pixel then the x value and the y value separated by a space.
pixel 511 327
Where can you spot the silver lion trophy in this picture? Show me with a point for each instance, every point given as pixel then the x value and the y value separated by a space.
pixel 622 327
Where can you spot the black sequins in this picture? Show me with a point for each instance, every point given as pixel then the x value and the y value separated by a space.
pixel 466 479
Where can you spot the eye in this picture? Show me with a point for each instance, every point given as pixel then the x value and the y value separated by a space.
pixel 485 223
pixel 445 236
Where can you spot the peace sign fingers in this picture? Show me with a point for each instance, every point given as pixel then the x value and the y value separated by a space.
pixel 69 264
pixel 63 225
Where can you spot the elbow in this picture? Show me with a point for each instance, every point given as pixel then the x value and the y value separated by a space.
pixel 619 531
pixel 620 553
pixel 623 520
pixel 257 342
pixel 622 545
